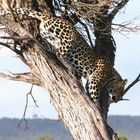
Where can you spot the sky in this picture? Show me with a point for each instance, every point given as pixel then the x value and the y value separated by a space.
pixel 127 62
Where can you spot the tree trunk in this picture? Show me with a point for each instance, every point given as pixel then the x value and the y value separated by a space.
pixel 69 99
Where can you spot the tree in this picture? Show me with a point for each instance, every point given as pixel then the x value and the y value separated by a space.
pixel 47 71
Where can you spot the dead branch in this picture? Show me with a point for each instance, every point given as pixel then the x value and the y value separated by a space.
pixel 128 26
pixel 132 84
pixel 24 77
pixel 26 107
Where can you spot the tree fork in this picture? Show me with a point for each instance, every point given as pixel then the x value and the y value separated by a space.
pixel 69 98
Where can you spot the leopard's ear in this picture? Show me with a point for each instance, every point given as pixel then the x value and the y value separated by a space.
pixel 122 83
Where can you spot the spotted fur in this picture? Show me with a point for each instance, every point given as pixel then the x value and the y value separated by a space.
pixel 79 55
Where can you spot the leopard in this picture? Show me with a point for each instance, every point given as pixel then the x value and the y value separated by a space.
pixel 78 54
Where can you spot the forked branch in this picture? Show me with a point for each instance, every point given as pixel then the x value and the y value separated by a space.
pixel 117 8
pixel 26 106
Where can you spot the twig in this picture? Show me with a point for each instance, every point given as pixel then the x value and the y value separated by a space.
pixel 14 38
pixel 13 48
pixel 30 93
pixel 6 45
pixel 24 113
pixel 26 106
pixel 132 84
pixel 126 27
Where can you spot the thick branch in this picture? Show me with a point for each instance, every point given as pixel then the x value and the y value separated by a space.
pixel 24 77
pixel 117 8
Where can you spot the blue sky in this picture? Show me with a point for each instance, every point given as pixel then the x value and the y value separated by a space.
pixel 13 94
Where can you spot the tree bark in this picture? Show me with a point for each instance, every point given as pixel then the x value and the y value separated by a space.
pixel 78 112
pixel 69 99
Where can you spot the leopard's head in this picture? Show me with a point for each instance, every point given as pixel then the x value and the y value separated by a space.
pixel 116 90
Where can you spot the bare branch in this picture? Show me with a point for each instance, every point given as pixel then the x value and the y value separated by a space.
pixel 127 26
pixel 24 77
pixel 6 45
pixel 132 84
pixel 26 107
pixel 12 47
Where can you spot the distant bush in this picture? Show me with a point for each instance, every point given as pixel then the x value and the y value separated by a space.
pixel 122 138
pixel 45 137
